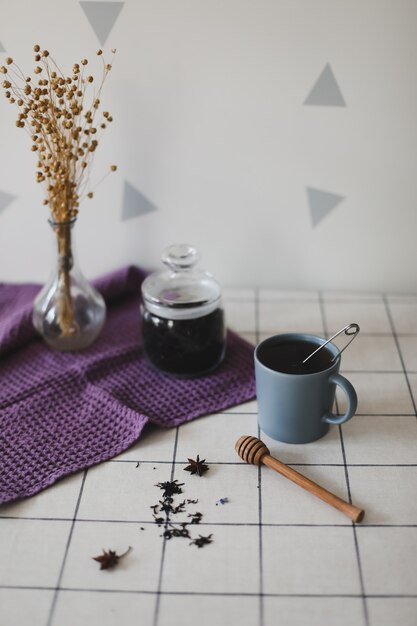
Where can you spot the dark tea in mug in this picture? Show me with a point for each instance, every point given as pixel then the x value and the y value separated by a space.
pixel 288 357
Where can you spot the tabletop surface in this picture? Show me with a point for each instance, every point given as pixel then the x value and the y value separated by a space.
pixel 277 555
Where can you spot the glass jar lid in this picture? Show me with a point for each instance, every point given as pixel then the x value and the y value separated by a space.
pixel 181 291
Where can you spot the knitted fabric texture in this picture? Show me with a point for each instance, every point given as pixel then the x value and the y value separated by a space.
pixel 62 412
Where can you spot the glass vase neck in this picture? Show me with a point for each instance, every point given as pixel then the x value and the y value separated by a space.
pixel 62 224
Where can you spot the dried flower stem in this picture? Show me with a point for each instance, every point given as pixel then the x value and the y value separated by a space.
pixel 65 311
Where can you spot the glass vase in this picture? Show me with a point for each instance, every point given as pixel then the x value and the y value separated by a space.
pixel 68 312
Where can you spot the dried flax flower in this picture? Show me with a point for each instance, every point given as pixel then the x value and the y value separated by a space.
pixel 60 114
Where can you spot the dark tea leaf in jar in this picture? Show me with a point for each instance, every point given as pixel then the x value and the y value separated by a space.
pixel 184 347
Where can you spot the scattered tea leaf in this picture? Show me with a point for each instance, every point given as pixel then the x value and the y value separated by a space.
pixel 178 509
pixel 175 531
pixel 166 505
pixel 170 488
pixel 201 541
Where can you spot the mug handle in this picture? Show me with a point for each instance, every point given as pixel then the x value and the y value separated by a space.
pixel 351 396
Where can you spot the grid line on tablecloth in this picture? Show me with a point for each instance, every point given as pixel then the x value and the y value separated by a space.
pixel 67 546
pixel 357 552
pixel 260 535
pixel 220 594
pixel 135 522
pixel 159 592
pixel 355 537
pixel 397 343
pixel 388 333
pixel 291 464
pixel 164 540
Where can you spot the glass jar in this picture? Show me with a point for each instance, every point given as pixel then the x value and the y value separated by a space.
pixel 183 327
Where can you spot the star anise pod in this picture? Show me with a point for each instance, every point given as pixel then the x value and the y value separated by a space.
pixel 110 559
pixel 201 541
pixel 197 466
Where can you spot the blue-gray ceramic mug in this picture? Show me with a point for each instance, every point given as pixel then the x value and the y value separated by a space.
pixel 296 407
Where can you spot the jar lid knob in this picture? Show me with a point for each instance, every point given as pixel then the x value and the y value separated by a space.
pixel 180 256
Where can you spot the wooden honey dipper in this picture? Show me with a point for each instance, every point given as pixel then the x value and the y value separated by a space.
pixel 254 451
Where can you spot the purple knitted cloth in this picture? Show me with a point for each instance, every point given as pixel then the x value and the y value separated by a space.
pixel 62 412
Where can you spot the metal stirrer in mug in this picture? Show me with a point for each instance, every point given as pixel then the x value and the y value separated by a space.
pixel 350 329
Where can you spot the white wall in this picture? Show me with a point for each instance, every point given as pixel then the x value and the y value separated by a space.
pixel 212 130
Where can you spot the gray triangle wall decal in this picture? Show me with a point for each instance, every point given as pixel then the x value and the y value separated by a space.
pixel 321 203
pixel 102 17
pixel 5 200
pixel 325 91
pixel 135 203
